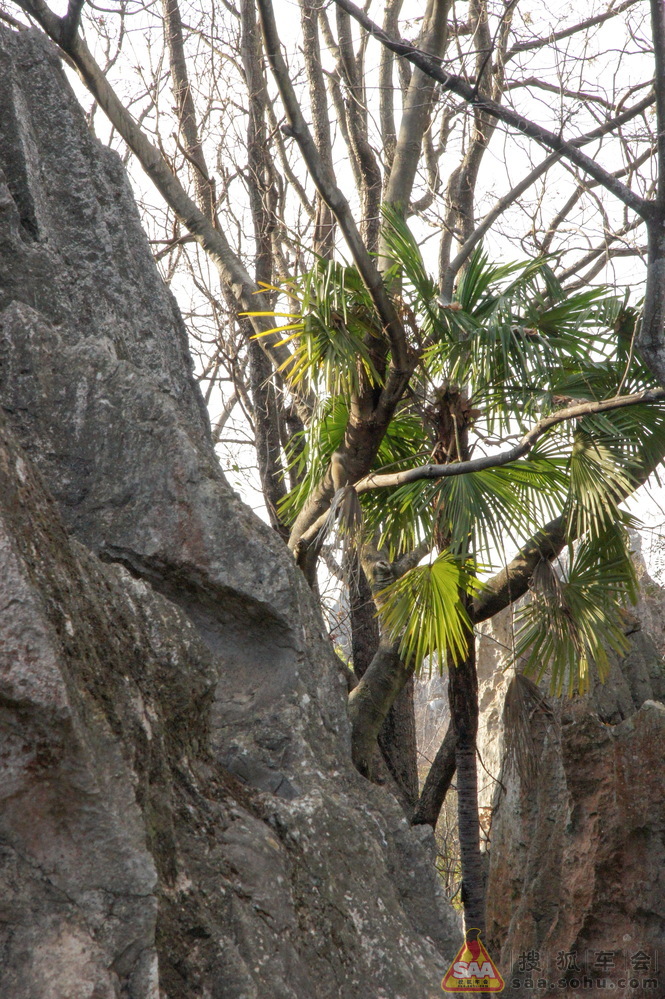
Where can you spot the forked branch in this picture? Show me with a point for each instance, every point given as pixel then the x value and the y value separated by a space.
pixel 230 268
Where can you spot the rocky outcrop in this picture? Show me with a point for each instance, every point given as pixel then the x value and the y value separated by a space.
pixel 577 841
pixel 180 817
pixel 572 804
pixel 579 853
pixel 649 609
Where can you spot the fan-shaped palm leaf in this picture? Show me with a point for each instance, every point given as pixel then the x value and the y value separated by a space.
pixel 598 483
pixel 331 335
pixel 424 610
pixel 574 620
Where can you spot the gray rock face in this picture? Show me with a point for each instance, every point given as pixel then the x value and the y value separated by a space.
pixel 576 889
pixel 180 817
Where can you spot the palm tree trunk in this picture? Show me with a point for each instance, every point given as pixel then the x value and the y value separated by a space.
pixel 463 697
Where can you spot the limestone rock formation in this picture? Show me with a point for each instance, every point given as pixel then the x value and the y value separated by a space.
pixel 576 839
pixel 577 844
pixel 180 817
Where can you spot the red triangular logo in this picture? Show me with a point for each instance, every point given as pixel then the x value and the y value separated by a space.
pixel 472 970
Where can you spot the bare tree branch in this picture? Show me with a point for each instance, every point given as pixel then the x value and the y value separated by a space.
pixel 12 22
pixel 417 107
pixel 350 67
pixel 330 192
pixel 376 481
pixel 386 99
pixel 448 278
pixel 324 232
pixel 531 178
pixel 203 184
pixel 658 24
pixel 604 250
pixel 557 36
pixel 553 88
pixel 437 782
pixel 278 138
pixel 211 239
pixel 72 19
pixel 480 102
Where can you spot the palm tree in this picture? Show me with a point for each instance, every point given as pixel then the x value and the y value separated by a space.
pixel 511 356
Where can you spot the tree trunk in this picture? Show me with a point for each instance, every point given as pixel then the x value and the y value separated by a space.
pixel 650 337
pixel 364 623
pixel 371 700
pixel 463 697
pixel 203 185
pixel 262 197
pixel 397 736
pixel 266 435
pixel 324 227
pixel 437 783
pixel 397 742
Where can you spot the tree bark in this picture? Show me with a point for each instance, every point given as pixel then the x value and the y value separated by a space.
pixel 386 100
pixel 463 698
pixel 266 435
pixel 371 701
pixel 398 745
pixel 364 623
pixel 397 732
pixel 266 415
pixel 417 109
pixel 355 106
pixel 651 336
pixel 324 226
pixel 437 782
pixel 203 184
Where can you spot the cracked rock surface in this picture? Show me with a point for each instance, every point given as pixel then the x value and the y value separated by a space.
pixel 577 841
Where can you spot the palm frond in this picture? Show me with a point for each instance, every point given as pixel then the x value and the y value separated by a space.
pixel 310 452
pixel 635 435
pixel 524 700
pixel 478 277
pixel 406 255
pixel 424 610
pixel 483 508
pixel 344 515
pixel 403 517
pixel 515 334
pixel 598 483
pixel 575 620
pixel 331 335
pixel 476 512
